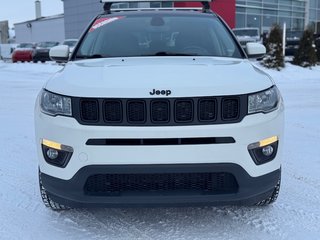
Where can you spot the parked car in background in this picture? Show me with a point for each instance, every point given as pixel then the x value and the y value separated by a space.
pixel 6 51
pixel 71 43
pixel 247 35
pixel 41 52
pixel 292 42
pixel 23 52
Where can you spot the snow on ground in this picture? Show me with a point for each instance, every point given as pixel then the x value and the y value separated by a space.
pixel 296 214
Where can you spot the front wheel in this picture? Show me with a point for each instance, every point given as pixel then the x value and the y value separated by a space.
pixel 48 202
pixel 272 198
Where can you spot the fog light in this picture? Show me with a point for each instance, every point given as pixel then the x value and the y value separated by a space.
pixel 267 151
pixel 55 153
pixel 264 151
pixel 52 153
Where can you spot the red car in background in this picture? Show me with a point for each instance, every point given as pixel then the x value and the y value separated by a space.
pixel 23 52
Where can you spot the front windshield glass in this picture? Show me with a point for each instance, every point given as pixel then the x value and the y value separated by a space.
pixel 47 44
pixel 25 45
pixel 70 43
pixel 158 34
pixel 246 32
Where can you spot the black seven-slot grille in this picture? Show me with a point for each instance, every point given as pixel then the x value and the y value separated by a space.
pixel 160 183
pixel 160 111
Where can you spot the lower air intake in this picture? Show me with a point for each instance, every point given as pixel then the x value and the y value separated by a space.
pixel 164 183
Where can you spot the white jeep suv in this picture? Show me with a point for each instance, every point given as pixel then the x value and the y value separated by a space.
pixel 158 108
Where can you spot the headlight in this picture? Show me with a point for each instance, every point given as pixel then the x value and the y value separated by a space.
pixel 266 101
pixel 54 104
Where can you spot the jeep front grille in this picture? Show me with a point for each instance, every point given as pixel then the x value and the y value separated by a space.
pixel 136 111
pixel 112 111
pixel 160 112
pixel 161 183
pixel 230 108
pixel 184 111
pixel 208 109
pixel 89 110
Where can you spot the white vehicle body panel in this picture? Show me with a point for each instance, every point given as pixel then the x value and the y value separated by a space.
pixel 252 129
pixel 136 77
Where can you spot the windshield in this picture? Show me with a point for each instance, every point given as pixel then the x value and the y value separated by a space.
pixel 25 45
pixel 294 34
pixel 158 34
pixel 47 44
pixel 246 32
pixel 70 43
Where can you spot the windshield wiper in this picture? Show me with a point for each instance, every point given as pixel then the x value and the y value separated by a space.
pixel 89 56
pixel 171 54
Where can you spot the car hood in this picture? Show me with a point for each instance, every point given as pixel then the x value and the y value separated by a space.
pixel 137 77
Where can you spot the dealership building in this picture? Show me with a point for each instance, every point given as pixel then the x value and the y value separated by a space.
pixel 297 14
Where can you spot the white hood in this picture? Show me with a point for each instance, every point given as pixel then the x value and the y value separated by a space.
pixel 136 77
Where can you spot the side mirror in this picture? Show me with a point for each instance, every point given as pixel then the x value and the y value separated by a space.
pixel 255 50
pixel 59 53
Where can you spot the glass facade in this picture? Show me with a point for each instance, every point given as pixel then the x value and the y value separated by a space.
pixel 314 14
pixel 264 13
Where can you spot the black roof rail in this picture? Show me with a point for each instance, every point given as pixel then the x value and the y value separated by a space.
pixel 108 3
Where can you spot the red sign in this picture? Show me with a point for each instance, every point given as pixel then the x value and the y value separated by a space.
pixel 225 8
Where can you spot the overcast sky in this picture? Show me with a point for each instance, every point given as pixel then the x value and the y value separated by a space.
pixel 16 11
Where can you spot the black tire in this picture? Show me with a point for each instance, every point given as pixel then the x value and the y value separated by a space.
pixel 35 61
pixel 48 202
pixel 273 197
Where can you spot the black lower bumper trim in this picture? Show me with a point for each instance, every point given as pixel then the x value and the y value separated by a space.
pixel 160 141
pixel 72 192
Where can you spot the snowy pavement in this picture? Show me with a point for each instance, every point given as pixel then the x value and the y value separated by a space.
pixel 296 214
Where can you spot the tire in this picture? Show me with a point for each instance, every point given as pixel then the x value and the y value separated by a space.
pixel 35 61
pixel 273 197
pixel 48 202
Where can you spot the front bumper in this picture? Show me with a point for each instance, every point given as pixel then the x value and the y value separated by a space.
pixel 72 192
pixel 68 131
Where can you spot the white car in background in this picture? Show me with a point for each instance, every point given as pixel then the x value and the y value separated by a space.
pixel 158 108
pixel 247 35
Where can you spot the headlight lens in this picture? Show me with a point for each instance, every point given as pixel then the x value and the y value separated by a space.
pixel 54 104
pixel 266 101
